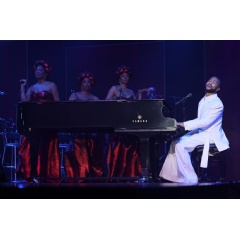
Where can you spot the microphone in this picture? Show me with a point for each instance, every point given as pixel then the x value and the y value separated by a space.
pixel 151 89
pixel 2 93
pixel 183 99
pixel 120 93
pixel 22 81
pixel 151 93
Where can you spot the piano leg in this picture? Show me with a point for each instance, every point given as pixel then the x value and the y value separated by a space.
pixel 151 147
pixel 145 154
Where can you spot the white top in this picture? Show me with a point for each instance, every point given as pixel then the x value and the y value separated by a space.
pixel 209 120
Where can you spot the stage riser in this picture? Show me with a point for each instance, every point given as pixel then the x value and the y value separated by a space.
pixel 120 191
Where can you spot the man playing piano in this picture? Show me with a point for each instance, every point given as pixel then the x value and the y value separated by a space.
pixel 205 129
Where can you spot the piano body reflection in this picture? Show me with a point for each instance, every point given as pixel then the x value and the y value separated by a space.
pixel 143 118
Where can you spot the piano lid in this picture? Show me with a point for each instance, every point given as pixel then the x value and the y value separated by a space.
pixel 113 115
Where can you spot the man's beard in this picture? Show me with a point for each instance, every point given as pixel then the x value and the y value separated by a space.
pixel 211 90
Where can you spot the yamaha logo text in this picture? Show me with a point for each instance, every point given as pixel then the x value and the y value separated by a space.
pixel 139 120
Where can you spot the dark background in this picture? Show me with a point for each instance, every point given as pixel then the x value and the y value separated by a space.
pixel 175 68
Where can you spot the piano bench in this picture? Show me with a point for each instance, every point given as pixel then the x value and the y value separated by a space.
pixel 216 170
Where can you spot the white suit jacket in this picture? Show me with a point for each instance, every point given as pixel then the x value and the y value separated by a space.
pixel 209 120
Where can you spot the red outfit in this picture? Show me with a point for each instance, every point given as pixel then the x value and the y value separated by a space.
pixel 123 158
pixel 45 162
pixel 86 157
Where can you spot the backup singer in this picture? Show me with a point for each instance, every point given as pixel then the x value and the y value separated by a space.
pixel 39 154
pixel 123 158
pixel 86 156
pixel 121 91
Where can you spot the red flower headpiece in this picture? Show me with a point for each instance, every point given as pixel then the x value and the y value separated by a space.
pixel 86 75
pixel 123 69
pixel 44 64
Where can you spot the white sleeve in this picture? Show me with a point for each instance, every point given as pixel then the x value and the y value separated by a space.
pixel 210 116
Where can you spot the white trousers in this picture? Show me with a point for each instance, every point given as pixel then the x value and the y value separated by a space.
pixel 177 166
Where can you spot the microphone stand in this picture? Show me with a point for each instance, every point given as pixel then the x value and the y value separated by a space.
pixel 184 109
pixel 183 101
pixel 175 98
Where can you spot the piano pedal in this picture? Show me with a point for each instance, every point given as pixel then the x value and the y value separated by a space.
pixel 143 179
pixel 156 180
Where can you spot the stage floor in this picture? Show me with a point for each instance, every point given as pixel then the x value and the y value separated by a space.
pixel 120 190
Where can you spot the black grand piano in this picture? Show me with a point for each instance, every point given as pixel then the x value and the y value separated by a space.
pixel 144 118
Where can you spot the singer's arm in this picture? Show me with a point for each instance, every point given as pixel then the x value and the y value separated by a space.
pixel 111 93
pixel 140 92
pixel 55 92
pixel 25 97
